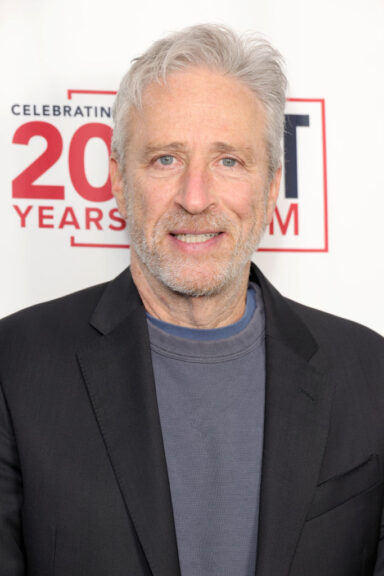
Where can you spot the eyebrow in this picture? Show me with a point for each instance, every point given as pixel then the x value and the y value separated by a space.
pixel 226 148
pixel 222 147
pixel 153 148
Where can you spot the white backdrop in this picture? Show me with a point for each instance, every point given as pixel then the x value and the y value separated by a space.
pixel 330 257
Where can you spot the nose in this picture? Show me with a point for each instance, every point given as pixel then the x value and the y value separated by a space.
pixel 196 192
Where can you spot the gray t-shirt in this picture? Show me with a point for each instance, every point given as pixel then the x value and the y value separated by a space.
pixel 211 402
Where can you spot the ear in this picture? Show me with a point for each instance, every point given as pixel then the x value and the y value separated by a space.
pixel 273 194
pixel 117 186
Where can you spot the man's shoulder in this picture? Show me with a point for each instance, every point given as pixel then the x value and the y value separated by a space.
pixel 335 332
pixel 331 332
pixel 71 307
pixel 296 320
pixel 61 322
pixel 69 321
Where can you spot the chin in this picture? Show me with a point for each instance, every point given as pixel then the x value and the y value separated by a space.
pixel 197 283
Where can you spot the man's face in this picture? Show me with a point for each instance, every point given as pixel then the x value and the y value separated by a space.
pixel 195 190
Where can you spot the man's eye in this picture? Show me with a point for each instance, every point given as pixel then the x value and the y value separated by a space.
pixel 228 162
pixel 166 160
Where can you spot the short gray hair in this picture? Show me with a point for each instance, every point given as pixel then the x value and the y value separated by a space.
pixel 249 58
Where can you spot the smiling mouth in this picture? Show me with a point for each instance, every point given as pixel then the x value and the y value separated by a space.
pixel 195 238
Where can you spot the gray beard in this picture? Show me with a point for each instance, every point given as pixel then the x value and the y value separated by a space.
pixel 169 271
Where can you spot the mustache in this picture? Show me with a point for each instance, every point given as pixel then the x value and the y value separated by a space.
pixel 194 223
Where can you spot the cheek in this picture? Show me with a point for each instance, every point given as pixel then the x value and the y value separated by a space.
pixel 152 194
pixel 149 205
pixel 244 201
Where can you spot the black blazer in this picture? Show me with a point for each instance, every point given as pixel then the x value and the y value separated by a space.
pixel 84 489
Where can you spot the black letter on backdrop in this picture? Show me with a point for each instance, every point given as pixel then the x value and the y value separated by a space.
pixel 292 121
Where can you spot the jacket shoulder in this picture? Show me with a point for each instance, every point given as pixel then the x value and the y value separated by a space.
pixel 77 303
pixel 333 331
pixel 62 322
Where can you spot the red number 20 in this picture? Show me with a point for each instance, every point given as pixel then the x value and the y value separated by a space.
pixel 23 185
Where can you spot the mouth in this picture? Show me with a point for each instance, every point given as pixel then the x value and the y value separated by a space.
pixel 196 238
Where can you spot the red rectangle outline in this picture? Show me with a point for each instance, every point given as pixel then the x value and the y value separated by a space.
pixel 105 92
pixel 75 244
pixel 320 101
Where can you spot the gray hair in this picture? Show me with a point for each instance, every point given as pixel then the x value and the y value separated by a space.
pixel 249 58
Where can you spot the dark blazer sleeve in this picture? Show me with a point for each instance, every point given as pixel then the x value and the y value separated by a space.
pixel 11 547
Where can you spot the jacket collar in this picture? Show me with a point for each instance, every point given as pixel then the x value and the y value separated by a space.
pixel 121 298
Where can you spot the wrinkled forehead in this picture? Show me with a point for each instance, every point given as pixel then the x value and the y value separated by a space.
pixel 197 105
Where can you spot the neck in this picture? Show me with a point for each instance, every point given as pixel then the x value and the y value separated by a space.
pixel 204 312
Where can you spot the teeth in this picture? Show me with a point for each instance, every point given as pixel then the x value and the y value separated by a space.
pixel 190 238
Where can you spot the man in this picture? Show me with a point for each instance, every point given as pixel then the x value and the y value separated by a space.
pixel 186 418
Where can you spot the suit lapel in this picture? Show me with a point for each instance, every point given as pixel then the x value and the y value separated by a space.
pixel 118 374
pixel 298 401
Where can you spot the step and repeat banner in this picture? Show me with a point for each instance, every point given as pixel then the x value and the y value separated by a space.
pixel 60 229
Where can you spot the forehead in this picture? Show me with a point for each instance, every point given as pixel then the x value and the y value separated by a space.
pixel 198 105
